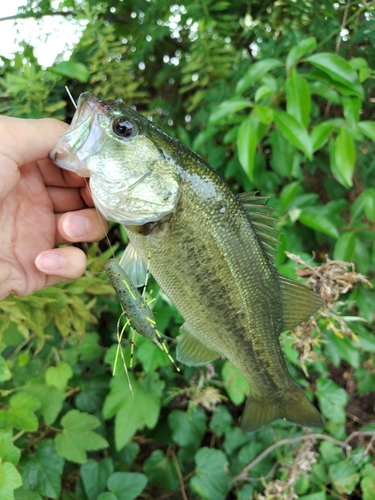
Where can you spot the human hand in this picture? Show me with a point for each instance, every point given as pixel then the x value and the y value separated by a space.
pixel 41 206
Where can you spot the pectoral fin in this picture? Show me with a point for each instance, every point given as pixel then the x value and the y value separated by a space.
pixel 298 301
pixel 192 352
pixel 133 265
pixel 294 407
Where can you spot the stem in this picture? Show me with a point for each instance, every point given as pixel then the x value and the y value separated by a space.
pixel 242 476
pixel 343 24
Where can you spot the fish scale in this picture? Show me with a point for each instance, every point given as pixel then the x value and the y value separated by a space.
pixel 209 250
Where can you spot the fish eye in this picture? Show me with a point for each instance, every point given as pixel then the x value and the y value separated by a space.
pixel 123 128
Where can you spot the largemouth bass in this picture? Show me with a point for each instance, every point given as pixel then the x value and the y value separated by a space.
pixel 209 250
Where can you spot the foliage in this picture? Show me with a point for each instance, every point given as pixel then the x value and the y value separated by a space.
pixel 276 95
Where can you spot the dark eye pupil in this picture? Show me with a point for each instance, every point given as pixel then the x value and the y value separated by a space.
pixel 123 128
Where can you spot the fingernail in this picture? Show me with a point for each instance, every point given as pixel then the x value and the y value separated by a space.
pixel 49 262
pixel 75 226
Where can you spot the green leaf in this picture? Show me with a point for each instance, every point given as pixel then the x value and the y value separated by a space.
pixel 188 427
pixel 21 494
pixel 344 477
pixel 255 73
pixel 264 114
pixel 126 485
pixel 332 400
pixel 344 247
pixel 247 142
pixel 369 203
pixel 368 488
pixel 352 106
pixel 318 221
pixel 8 452
pixel 227 107
pixel 94 476
pixel 320 135
pixel 51 400
pixel 211 479
pixel 161 471
pixel 10 480
pixel 5 373
pixel 22 408
pixel 315 496
pixel 77 436
pixel 344 158
pixel 284 154
pixel 221 420
pixel 297 51
pixel 293 132
pixel 298 99
pixel 368 128
pixel 71 69
pixel 235 384
pixel 107 496
pixel 338 69
pixel 42 470
pixel 152 356
pixel 58 376
pixel 133 412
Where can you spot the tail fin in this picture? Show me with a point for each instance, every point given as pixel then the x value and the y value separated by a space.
pixel 294 407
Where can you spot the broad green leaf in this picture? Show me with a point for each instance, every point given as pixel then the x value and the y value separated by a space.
pixel 94 476
pixel 319 222
pixel 10 480
pixel 211 480
pixel 152 356
pixel 264 114
pixel 289 193
pixel 77 436
pixel 344 476
pixel 262 92
pixel 338 69
pixel 107 496
pixel 22 494
pixel 320 135
pixel 235 384
pixel 344 158
pixel 368 488
pixel 51 400
pixel 368 128
pixel 71 69
pixel 298 99
pixel 283 154
pixel 369 203
pixel 255 73
pixel 161 471
pixel 42 470
pixel 58 376
pixel 332 400
pixel 8 452
pixel 315 496
pixel 21 413
pixel 221 420
pixel 133 412
pixel 5 373
pixel 227 107
pixel 126 485
pixel 188 427
pixel 352 106
pixel 297 51
pixel 344 247
pixel 247 142
pixel 294 132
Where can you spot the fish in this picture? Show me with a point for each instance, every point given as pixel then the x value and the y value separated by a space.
pixel 211 251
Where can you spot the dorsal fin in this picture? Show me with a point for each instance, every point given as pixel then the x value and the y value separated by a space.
pixel 260 215
pixel 299 302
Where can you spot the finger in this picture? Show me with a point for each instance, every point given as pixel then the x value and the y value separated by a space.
pixel 61 264
pixel 27 140
pixel 57 177
pixel 66 199
pixel 83 225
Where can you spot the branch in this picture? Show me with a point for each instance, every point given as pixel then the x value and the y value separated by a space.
pixel 242 476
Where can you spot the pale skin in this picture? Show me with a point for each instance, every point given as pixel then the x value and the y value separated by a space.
pixel 41 207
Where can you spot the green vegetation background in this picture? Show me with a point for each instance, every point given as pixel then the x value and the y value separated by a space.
pixel 278 97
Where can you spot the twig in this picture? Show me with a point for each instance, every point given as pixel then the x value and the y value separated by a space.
pixel 180 478
pixel 343 24
pixel 242 476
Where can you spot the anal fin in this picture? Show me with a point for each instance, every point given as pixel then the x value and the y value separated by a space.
pixel 193 352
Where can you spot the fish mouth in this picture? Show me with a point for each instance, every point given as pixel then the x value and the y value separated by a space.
pixel 82 134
